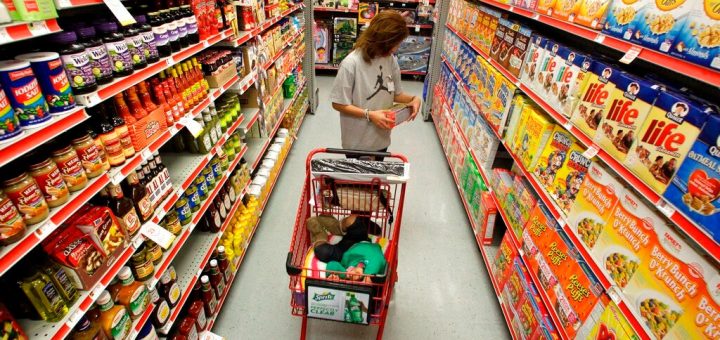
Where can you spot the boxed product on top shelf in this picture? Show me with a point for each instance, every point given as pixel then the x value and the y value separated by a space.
pixel 337 4
pixel 28 10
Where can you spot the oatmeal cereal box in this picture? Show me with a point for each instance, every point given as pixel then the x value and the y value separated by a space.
pixel 596 200
pixel 533 137
pixel 622 17
pixel 695 189
pixel 671 128
pixel 566 9
pixel 503 264
pixel 628 106
pixel 543 83
pixel 569 69
pixel 569 177
pixel 660 22
pixel 699 39
pixel 553 156
pixel 592 13
pixel 518 50
pixel 545 6
pixel 594 96
pixel 499 39
pixel 533 57
pixel 518 103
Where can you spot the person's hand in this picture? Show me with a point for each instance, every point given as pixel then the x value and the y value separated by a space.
pixel 415 105
pixel 382 118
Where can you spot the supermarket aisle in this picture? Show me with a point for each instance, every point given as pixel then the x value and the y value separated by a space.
pixel 443 290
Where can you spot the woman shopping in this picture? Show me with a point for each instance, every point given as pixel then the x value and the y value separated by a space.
pixel 368 84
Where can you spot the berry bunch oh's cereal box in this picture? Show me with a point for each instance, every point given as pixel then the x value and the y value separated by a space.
pixel 594 205
pixel 622 17
pixel 660 22
pixel 628 106
pixel 668 133
pixel 696 187
pixel 569 177
pixel 592 13
pixel 594 97
pixel 699 40
pixel 566 9
pixel 569 75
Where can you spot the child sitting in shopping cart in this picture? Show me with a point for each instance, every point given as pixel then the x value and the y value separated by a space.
pixel 364 258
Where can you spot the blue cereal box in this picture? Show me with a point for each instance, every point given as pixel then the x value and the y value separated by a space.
pixel 660 22
pixel 622 16
pixel 696 187
pixel 699 40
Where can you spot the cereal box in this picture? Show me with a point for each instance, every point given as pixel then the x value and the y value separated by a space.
pixel 527 4
pixel 569 68
pixel 499 38
pixel 502 56
pixel 485 143
pixel 553 156
pixel 666 137
pixel 696 187
pixel 660 22
pixel 622 16
pixel 525 318
pixel 508 133
pixel 500 101
pixel 503 264
pixel 544 81
pixel 596 200
pixel 699 40
pixel 569 177
pixel 493 19
pixel 532 138
pixel 594 97
pixel 515 286
pixel 545 6
pixel 592 13
pixel 611 323
pixel 566 9
pixel 533 57
pixel 518 50
pixel 628 106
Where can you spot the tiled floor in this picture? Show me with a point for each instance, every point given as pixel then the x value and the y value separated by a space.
pixel 443 290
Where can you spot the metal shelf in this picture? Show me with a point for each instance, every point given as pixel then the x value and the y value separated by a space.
pixel 23 30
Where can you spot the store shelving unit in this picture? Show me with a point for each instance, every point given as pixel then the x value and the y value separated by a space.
pixel 68 4
pixel 17 31
pixel 245 36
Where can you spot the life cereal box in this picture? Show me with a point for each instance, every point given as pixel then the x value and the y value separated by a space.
pixel 569 177
pixel 566 9
pixel 569 71
pixel 666 137
pixel 660 22
pixel 553 156
pixel 592 13
pixel 545 6
pixel 610 323
pixel 544 81
pixel 533 57
pixel 622 17
pixel 518 50
pixel 594 96
pixel 535 77
pixel 695 189
pixel 594 204
pixel 628 106
pixel 532 138
pixel 699 39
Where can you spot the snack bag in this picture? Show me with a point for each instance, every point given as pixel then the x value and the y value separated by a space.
pixel 669 131
pixel 545 6
pixel 695 189
pixel 566 9
pixel 591 212
pixel 592 13
pixel 567 80
pixel 553 156
pixel 589 110
pixel 699 41
pixel 533 57
pixel 533 137
pixel 628 106
pixel 569 177
pixel 660 22
pixel 622 17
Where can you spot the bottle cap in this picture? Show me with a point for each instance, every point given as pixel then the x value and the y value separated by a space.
pixel 103 298
pixel 221 249
pixel 124 273
pixel 86 32
pixel 204 279
pixel 67 37
pixel 213 263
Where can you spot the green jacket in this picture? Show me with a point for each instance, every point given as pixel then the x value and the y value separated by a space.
pixel 369 253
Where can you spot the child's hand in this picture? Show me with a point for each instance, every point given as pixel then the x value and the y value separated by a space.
pixel 382 118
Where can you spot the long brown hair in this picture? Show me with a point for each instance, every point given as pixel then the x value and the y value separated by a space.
pixel 387 30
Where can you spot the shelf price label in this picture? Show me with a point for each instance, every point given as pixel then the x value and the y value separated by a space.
pixel 631 54
pixel 74 318
pixel 599 38
pixel 120 12
pixel 666 208
pixel 38 28
pixel 4 36
pixel 157 234
pixel 590 152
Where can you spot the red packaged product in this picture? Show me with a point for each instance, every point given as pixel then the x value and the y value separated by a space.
pixel 10 329
pixel 102 224
pixel 502 266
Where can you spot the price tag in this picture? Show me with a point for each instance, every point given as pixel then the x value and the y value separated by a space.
pixel 157 234
pixel 133 334
pixel 599 38
pixel 5 36
pixel 38 28
pixel 97 291
pixel 511 9
pixel 666 208
pixel 117 178
pixel 613 294
pixel 199 273
pixel 151 283
pixel 63 4
pixel 208 335
pixel 567 125
pixel 536 16
pixel 146 154
pixel 120 12
pixel 46 228
pixel 173 130
pixel 138 241
pixel 74 318
pixel 590 152
pixel 630 55
pixel 417 28
pixel 194 127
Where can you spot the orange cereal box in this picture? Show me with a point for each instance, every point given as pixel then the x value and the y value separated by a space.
pixel 566 9
pixel 569 177
pixel 533 137
pixel 594 204
pixel 665 138
pixel 592 13
pixel 553 156
pixel 594 96
pixel 545 6
pixel 611 323
pixel 628 106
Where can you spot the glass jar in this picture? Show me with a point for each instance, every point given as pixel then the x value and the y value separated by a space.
pixel 11 220
pixel 202 187
pixel 71 168
pixel 24 192
pixel 154 252
pixel 142 264
pixel 182 208
pixel 50 181
pixel 193 198
pixel 89 155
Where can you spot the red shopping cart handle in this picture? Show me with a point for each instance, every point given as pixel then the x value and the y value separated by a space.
pixel 358 152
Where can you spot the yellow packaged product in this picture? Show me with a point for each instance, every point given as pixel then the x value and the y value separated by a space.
pixel 532 139
pixel 500 100
pixel 525 112
pixel 592 13
pixel 611 324
pixel 545 6
pixel 570 177
pixel 566 9
pixel 553 156
pixel 628 106
pixel 594 96
pixel 518 103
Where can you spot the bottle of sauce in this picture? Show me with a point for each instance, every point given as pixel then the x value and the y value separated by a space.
pixel 160 31
pixel 124 209
pixel 114 320
pixel 224 264
pixel 76 61
pixel 121 129
pixel 186 330
pixel 145 97
pixel 123 110
pixel 197 312
pixel 49 180
pixel 87 330
pixel 161 313
pixel 139 195
pixel 24 191
pixel 62 282
pixel 133 100
pixel 99 59
pixel 169 290
pixel 70 166
pixel 117 49
pixel 146 32
pixel 217 279
pixel 11 220
pixel 131 294
pixel 208 296
pixel 43 296
pixel 135 44
pixel 162 169
pixel 110 139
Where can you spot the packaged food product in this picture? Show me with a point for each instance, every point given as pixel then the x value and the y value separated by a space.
pixel 670 130
pixel 533 59
pixel 545 6
pixel 70 167
pixel 527 4
pixel 25 194
pixel 553 156
pixel 566 9
pixel 49 180
pixel 592 13
pixel 514 287
pixel 89 155
pixel 593 100
pixel 569 177
pixel 532 138
pixel 48 69
pixel 102 224
pixel 628 106
pixel 569 77
pixel 76 252
pixel 695 189
pixel 611 324
pixel 77 62
pixel 9 124
pixel 23 91
pixel 698 40
pixel 11 220
pixel 10 329
pixel 503 264
pixel 498 42
pixel 622 18
pixel 33 10
pixel 659 23
pixel 542 82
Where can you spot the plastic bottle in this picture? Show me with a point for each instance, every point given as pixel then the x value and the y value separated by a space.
pixel 197 312
pixel 133 100
pixel 120 58
pixel 120 128
pixel 172 30
pixel 76 61
pixel 114 320
pixel 208 296
pixel 161 34
pixel 136 46
pixel 132 294
pixel 226 267
pixel 169 290
pixel 44 296
pixel 99 58
pixel 146 32
pixel 217 279
pixel 87 330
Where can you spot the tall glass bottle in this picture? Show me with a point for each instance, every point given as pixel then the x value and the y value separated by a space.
pixel 124 209
pixel 139 195
pixel 43 295
pixel 120 128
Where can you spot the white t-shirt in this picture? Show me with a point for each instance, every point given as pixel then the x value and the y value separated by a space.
pixel 368 86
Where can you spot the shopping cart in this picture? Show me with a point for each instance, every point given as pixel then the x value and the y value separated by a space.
pixel 341 187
